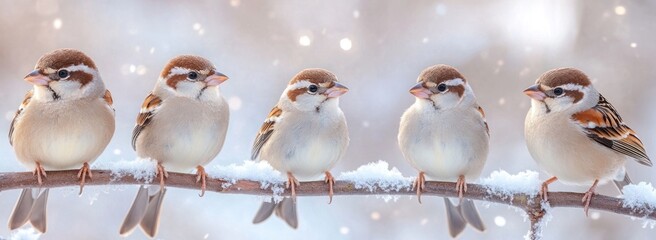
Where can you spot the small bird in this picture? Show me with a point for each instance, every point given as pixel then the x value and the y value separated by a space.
pixel 64 122
pixel 304 136
pixel 444 136
pixel 182 125
pixel 577 136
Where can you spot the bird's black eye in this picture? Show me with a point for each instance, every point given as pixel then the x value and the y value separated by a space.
pixel 558 91
pixel 192 75
pixel 313 88
pixel 441 87
pixel 63 73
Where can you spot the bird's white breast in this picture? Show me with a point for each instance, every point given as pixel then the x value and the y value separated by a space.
pixel 184 133
pixel 444 144
pixel 307 144
pixel 563 150
pixel 63 134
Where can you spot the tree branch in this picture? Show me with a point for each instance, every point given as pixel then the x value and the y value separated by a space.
pixel 532 205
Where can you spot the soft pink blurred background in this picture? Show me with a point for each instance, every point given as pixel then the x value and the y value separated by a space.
pixel 377 49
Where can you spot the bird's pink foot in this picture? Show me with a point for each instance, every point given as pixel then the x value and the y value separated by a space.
pixel 201 176
pixel 545 188
pixel 162 174
pixel 461 186
pixel 419 184
pixel 587 197
pixel 82 175
pixel 331 181
pixel 292 183
pixel 40 172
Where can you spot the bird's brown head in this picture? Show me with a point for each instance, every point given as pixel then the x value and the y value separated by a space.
pixel 561 88
pixel 190 76
pixel 442 85
pixel 313 87
pixel 65 74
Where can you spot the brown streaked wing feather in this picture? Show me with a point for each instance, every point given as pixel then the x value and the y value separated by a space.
pixel 108 98
pixel 26 100
pixel 487 128
pixel 265 131
pixel 148 108
pixel 604 125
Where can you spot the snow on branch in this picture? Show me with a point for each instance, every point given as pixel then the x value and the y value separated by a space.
pixel 257 178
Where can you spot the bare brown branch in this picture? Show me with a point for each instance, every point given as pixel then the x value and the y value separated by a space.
pixel 529 204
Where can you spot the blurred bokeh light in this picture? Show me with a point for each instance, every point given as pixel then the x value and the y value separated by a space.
pixel 375 48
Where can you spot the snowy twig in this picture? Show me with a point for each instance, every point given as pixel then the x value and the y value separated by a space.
pixel 536 214
pixel 527 202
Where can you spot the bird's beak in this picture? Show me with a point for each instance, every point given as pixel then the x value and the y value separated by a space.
pixel 215 79
pixel 420 91
pixel 37 78
pixel 336 91
pixel 535 92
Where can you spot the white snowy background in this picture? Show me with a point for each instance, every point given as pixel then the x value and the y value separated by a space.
pixel 375 48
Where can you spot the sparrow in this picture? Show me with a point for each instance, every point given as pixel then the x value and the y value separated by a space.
pixel 576 135
pixel 64 122
pixel 445 137
pixel 182 125
pixel 304 136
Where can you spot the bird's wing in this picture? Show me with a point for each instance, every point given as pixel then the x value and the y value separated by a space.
pixel 148 110
pixel 26 101
pixel 108 99
pixel 266 130
pixel 604 125
pixel 487 128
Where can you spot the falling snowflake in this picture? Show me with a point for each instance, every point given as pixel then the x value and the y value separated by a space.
pixel 57 23
pixel 595 215
pixel 141 70
pixel 375 216
pixel 345 44
pixel 344 230
pixel 500 221
pixel 304 41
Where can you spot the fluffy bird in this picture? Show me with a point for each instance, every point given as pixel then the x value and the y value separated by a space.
pixel 445 137
pixel 64 122
pixel 304 136
pixel 181 126
pixel 577 136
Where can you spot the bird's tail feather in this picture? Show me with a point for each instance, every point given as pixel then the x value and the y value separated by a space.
pixel 136 212
pixel 459 216
pixel 265 211
pixel 285 209
pixel 150 222
pixel 145 211
pixel 455 220
pixel 29 208
pixel 470 214
pixel 21 213
pixel 38 214
pixel 621 183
